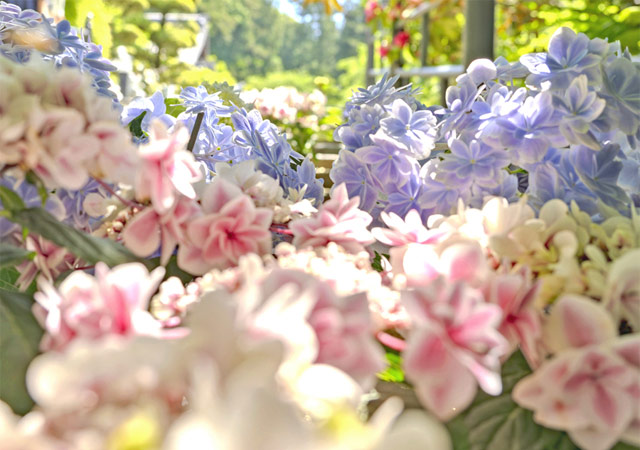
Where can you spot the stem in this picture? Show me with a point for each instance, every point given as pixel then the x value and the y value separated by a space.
pixel 195 131
pixel 116 195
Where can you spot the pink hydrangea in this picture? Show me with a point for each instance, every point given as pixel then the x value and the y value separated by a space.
pixel 49 261
pixel 166 169
pixel 515 293
pixel 339 220
pixel 230 227
pixel 453 346
pixel 593 393
pixel 113 302
pixel 591 387
pixel 65 148
pixel 344 331
pixel 149 230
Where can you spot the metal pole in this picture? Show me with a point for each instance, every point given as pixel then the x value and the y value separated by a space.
pixel 479 30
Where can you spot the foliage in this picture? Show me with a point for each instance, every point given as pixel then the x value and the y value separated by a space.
pixel 19 338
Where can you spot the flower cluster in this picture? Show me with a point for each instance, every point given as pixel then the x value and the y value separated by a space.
pixel 254 366
pixel 570 134
pixel 249 137
pixel 172 315
pixel 27 33
pixel 56 125
pixel 287 105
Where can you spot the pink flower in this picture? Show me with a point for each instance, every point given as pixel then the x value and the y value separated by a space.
pixel 339 220
pixel 113 302
pixel 149 230
pixel 591 387
pixel 65 148
pixel 454 345
pixel 231 227
pixel 50 261
pixel 593 393
pixel 166 168
pixel 117 159
pixel 343 327
pixel 409 230
pixel 515 294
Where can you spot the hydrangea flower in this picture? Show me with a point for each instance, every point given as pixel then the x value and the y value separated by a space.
pixel 113 302
pixel 338 220
pixel 568 57
pixel 153 108
pixel 230 227
pixel 166 170
pixel 454 345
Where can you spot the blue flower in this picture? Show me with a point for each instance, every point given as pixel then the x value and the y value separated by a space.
pixel 530 132
pixel 198 100
pixel 474 162
pixel 153 107
pixel 415 130
pixel 403 199
pixel 388 163
pixel 569 56
pixel 460 99
pixel 599 171
pixel 381 93
pixel 73 202
pixel 304 177
pixel 579 107
pixel 348 169
pixel 622 95
pixel 439 197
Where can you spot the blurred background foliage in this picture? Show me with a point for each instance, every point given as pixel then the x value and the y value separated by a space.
pixel 251 43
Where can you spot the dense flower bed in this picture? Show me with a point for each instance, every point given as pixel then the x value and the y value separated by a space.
pixel 172 276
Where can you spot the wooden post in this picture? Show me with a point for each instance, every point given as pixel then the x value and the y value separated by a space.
pixel 368 78
pixel 479 30
pixel 424 44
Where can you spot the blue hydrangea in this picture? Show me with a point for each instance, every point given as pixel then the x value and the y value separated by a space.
pixel 153 108
pixel 556 138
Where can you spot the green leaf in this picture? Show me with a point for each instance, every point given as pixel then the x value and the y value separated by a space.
pixel 8 278
pixel 35 180
pixel 174 107
pixel 11 255
pixel 498 423
pixel 20 335
pixel 90 248
pixel 10 200
pixel 136 126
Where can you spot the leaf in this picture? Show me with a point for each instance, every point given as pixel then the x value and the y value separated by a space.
pixel 136 126
pixel 89 248
pixel 497 423
pixel 10 200
pixel 8 278
pixel 11 255
pixel 35 180
pixel 174 107
pixel 20 335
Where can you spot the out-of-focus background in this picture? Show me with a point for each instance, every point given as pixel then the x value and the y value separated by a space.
pixel 298 60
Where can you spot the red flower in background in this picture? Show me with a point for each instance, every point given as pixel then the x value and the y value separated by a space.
pixel 384 51
pixel 371 10
pixel 401 39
